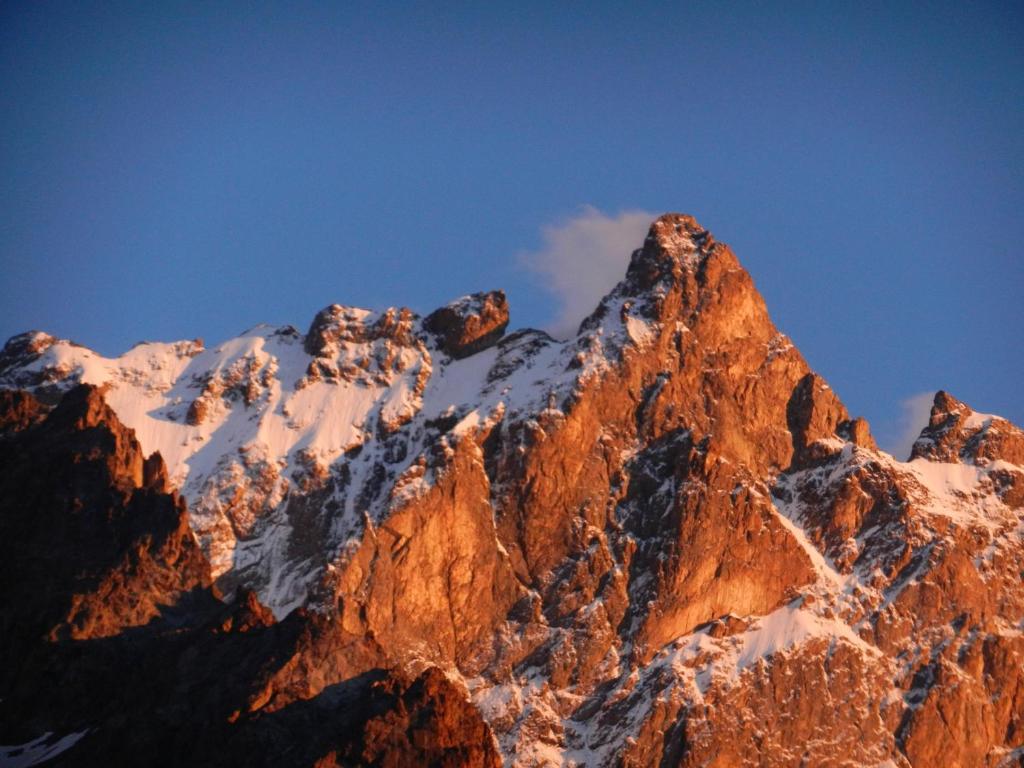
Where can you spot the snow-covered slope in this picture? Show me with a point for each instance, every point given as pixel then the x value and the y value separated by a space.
pixel 342 413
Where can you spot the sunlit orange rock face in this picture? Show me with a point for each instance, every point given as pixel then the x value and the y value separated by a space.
pixel 661 542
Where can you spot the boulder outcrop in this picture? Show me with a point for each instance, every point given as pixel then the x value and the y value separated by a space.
pixel 470 324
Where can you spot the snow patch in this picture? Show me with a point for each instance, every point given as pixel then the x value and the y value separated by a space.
pixel 37 751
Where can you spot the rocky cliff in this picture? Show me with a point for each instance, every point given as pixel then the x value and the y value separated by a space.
pixel 396 540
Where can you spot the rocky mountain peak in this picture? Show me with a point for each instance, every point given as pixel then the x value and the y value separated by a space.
pixel 336 323
pixel 674 242
pixel 26 344
pixel 469 324
pixel 957 433
pixel 646 545
pixel 820 424
pixel 678 234
pixel 22 349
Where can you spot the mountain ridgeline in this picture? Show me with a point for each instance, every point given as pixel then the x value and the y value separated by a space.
pixel 399 540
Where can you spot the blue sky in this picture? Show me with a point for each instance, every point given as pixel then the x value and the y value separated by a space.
pixel 173 171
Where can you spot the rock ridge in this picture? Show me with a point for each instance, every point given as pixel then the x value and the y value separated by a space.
pixel 402 540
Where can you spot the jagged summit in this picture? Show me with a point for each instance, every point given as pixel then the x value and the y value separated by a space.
pixel 648 544
pixel 956 433
pixel 673 237
pixel 820 423
pixel 23 348
pixel 362 413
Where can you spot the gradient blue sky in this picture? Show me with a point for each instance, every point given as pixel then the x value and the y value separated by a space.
pixel 173 171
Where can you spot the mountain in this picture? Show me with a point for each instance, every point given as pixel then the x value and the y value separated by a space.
pixel 404 540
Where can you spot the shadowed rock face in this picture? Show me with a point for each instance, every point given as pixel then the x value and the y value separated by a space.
pixel 93 540
pixel 662 542
pixel 120 638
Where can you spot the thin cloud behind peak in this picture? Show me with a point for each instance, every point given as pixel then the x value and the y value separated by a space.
pixel 582 258
pixel 916 411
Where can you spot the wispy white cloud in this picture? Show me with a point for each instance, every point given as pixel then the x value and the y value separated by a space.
pixel 582 258
pixel 914 418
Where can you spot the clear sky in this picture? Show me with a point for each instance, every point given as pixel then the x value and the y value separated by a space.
pixel 173 171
